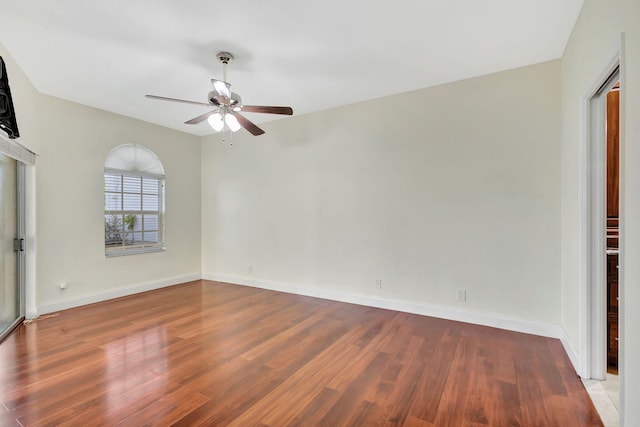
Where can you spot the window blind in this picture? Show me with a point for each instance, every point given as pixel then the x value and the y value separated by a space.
pixel 133 211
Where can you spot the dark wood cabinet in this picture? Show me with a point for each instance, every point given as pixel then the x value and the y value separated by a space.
pixel 613 208
pixel 613 154
pixel 612 312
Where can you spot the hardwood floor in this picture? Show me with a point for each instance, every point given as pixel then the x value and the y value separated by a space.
pixel 208 353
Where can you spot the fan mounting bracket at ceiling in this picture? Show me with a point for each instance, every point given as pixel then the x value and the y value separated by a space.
pixel 225 57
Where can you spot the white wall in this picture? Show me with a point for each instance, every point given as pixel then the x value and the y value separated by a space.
pixel 72 142
pixel 449 187
pixel 594 38
pixel 631 221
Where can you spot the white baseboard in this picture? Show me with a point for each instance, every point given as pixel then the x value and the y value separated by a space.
pixel 443 312
pixel 571 351
pixel 115 293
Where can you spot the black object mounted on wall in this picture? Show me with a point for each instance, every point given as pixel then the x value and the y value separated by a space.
pixel 7 113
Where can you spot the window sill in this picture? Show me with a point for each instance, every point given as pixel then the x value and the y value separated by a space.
pixel 133 251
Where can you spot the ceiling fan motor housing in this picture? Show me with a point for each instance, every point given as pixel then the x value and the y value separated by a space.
pixel 217 100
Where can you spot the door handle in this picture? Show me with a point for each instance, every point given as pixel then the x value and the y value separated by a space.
pixel 18 245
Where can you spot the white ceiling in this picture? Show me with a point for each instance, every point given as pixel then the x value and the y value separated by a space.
pixel 310 55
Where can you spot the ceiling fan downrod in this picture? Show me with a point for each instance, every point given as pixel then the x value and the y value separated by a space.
pixel 225 58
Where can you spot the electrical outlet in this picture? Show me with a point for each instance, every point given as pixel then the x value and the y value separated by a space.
pixel 461 294
pixel 379 284
pixel 250 269
pixel 62 286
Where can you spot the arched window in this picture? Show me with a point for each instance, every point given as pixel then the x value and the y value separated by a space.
pixel 133 201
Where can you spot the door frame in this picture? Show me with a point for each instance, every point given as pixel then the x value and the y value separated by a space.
pixel 22 235
pixel 20 255
pixel 593 281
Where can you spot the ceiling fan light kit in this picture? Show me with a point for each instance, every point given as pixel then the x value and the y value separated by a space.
pixel 216 121
pixel 232 122
pixel 228 105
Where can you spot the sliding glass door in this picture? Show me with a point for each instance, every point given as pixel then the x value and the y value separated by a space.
pixel 11 245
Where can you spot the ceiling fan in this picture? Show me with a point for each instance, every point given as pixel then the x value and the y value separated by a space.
pixel 227 105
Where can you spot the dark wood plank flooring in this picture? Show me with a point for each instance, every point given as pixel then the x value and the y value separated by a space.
pixel 208 353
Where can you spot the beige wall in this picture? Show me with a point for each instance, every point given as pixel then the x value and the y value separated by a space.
pixel 72 142
pixel 449 187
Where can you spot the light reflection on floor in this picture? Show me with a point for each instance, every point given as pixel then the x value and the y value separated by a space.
pixel 128 361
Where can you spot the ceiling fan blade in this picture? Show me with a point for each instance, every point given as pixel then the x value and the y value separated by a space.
pixel 247 124
pixel 200 118
pixel 222 88
pixel 164 98
pixel 266 109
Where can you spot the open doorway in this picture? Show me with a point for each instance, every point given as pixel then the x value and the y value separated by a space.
pixel 602 229
pixel 602 232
